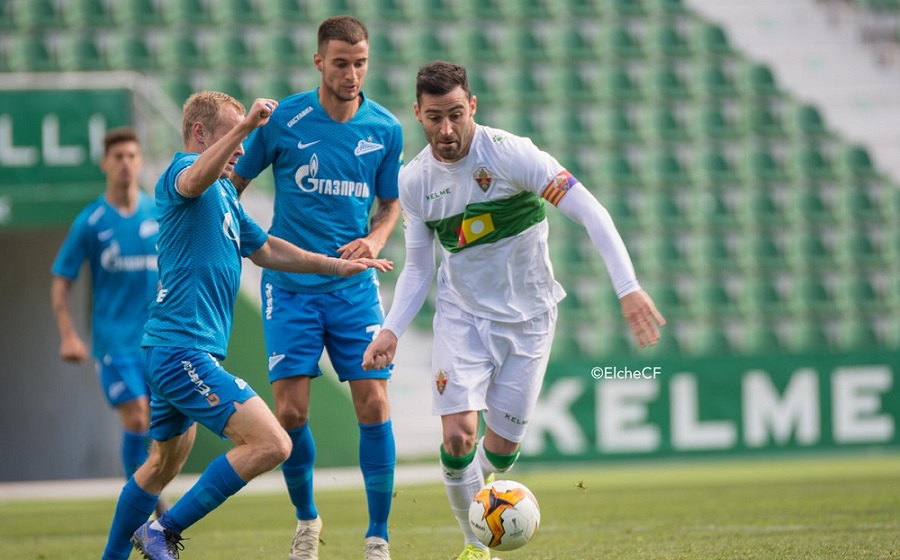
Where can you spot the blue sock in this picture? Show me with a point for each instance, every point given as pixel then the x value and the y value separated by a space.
pixel 298 472
pixel 133 509
pixel 377 459
pixel 216 484
pixel 134 451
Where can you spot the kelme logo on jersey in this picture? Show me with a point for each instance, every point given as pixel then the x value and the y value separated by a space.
pixel 112 260
pixel 308 181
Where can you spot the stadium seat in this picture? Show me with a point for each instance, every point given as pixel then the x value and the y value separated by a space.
pixel 807 122
pixel 805 247
pixel 709 298
pixel 713 167
pixel 760 251
pixel 392 11
pixel 524 86
pixel 761 119
pixel 529 46
pixel 87 13
pixel 710 253
pixel 577 44
pixel 481 88
pixel 491 10
pixel 806 203
pixel 855 334
pixel 811 162
pixel 576 85
pixel 6 16
pixel 273 84
pixel 711 41
pixel 615 126
pixel 759 82
pixel 758 296
pixel 618 85
pixel 130 51
pixel 714 81
pixel 483 46
pixel 230 84
pixel 229 49
pixel 386 47
pixel 668 8
pixel 619 171
pixel 757 207
pixel 583 8
pixel 29 53
pixel 667 169
pixel 667 41
pixel 617 43
pixel 666 125
pixel 178 86
pixel 708 338
pixel 856 163
pixel 713 123
pixel 760 164
pixel 806 335
pixel 79 52
pixel 35 14
pixel 284 11
pixel 136 12
pixel 542 10
pixel 808 295
pixel 179 49
pixel 855 292
pixel 278 49
pixel 666 84
pixel 445 10
pixel 184 12
pixel 630 8
pixel 757 337
pixel 854 247
pixel 240 12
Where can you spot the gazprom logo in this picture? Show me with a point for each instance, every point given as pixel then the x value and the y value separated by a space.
pixel 308 181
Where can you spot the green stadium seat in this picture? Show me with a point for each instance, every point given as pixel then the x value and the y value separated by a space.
pixel 854 248
pixel 6 15
pixel 762 120
pixel 482 46
pixel 575 44
pixel 667 85
pixel 29 53
pixel 706 339
pixel 574 126
pixel 445 10
pixel 760 251
pixel 757 206
pixel 762 165
pixel 616 127
pixel 667 41
pixel 808 122
pixel 229 49
pixel 179 49
pixel 810 162
pixel 806 203
pixel 709 298
pixel 524 86
pixel 713 123
pixel 273 84
pixel 284 11
pixel 178 86
pixel 759 82
pixel 278 49
pixel 856 163
pixel 618 171
pixel 758 337
pixel 481 88
pixel 583 8
pixel 711 208
pixel 805 248
pixel 665 124
pixel 391 10
pixel 543 10
pixel 130 51
pixel 855 292
pixel 87 13
pixel 806 335
pixel 235 12
pixel 711 253
pixel 629 8
pixel 386 47
pixel 79 52
pixel 137 12
pixel 576 85
pixel 714 81
pixel 808 295
pixel 713 167
pixel 488 10
pixel 855 334
pixel 758 296
pixel 618 85
pixel 711 41
pixel 667 169
pixel 855 203
pixel 431 46
pixel 529 46
pixel 35 14
pixel 382 89
pixel 185 12
pixel 617 43
pixel 668 8
pixel 230 84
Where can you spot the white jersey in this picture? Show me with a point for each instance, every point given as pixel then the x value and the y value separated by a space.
pixel 487 213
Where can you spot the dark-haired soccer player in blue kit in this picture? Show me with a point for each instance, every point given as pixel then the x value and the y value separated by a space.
pixel 116 234
pixel 203 234
pixel 333 152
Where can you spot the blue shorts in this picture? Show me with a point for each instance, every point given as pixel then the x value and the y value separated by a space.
pixel 188 386
pixel 298 326
pixel 121 378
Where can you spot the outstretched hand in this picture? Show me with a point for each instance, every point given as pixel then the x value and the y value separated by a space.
pixel 380 352
pixel 343 267
pixel 642 317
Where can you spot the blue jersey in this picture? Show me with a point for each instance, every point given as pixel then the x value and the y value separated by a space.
pixel 201 242
pixel 327 176
pixel 121 252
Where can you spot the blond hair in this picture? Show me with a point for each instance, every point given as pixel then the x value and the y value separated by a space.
pixel 205 107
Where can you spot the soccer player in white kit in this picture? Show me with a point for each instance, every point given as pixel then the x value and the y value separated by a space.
pixel 481 192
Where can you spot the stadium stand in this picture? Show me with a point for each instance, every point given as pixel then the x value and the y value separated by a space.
pixel 717 176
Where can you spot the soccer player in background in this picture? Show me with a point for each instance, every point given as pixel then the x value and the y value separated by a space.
pixel 481 192
pixel 116 234
pixel 203 233
pixel 334 152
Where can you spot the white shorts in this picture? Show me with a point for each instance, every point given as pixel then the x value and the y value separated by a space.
pixel 479 364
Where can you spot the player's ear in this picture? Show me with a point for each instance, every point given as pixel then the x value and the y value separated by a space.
pixel 317 60
pixel 416 112
pixel 473 104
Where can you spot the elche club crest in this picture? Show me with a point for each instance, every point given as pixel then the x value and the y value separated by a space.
pixel 440 380
pixel 483 178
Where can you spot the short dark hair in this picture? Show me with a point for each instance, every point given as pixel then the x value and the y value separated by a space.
pixel 440 78
pixel 342 28
pixel 117 136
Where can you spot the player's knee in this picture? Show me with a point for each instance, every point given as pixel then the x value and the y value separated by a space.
pixel 459 443
pixel 272 450
pixel 291 417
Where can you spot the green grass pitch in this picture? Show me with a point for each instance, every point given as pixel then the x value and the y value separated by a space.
pixel 842 508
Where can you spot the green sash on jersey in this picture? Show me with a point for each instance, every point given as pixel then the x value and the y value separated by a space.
pixel 489 222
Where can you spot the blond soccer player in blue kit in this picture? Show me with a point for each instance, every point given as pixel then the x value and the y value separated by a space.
pixel 204 232
pixel 481 193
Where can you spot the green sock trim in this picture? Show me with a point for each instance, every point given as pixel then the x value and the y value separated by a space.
pixel 456 463
pixel 501 462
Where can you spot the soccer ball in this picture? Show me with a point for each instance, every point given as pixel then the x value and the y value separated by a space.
pixel 504 515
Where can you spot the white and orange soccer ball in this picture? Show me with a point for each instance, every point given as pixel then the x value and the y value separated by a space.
pixel 504 515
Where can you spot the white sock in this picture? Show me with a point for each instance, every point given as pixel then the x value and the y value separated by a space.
pixel 487 469
pixel 462 485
